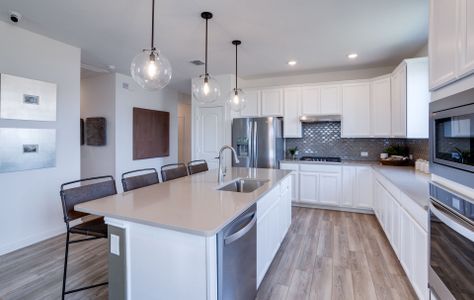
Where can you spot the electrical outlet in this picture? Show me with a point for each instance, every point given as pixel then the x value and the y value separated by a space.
pixel 115 244
pixel 364 154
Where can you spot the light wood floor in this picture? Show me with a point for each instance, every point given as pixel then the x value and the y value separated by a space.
pixel 325 255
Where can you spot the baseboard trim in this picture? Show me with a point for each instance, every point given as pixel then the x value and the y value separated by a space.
pixel 33 239
pixel 328 207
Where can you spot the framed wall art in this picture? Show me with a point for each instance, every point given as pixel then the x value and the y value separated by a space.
pixel 151 133
pixel 26 149
pixel 27 99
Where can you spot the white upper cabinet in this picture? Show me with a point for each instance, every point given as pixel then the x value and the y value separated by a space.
pixel 272 102
pixel 380 101
pixel 399 100
pixel 292 124
pixel 252 108
pixel 330 100
pixel 466 58
pixel 451 41
pixel 356 110
pixel 442 41
pixel 310 100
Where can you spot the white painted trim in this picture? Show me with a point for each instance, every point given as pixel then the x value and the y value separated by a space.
pixel 32 239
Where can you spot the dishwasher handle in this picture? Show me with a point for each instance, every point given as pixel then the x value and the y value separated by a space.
pixel 235 236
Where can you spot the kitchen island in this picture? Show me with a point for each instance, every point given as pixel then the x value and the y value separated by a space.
pixel 163 238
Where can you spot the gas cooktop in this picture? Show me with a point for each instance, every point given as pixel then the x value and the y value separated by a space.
pixel 321 158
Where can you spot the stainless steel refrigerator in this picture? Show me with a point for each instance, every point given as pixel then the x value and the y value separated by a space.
pixel 258 142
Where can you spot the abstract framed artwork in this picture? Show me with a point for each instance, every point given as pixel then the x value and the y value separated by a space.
pixel 151 133
pixel 26 149
pixel 27 99
pixel 95 131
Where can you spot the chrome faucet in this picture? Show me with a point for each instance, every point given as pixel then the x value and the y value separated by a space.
pixel 222 173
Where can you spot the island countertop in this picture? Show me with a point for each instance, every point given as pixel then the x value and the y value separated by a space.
pixel 190 204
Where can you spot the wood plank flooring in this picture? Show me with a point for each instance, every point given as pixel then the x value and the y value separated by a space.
pixel 335 255
pixel 325 255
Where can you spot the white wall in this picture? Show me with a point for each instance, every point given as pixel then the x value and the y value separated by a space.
pixel 316 77
pixel 184 136
pixel 135 96
pixel 98 100
pixel 30 207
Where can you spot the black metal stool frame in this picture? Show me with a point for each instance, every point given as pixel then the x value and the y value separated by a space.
pixel 68 232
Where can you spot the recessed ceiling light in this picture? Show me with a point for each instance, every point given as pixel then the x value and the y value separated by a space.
pixel 292 62
pixel 352 55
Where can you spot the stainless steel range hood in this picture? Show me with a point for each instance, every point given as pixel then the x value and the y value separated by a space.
pixel 320 118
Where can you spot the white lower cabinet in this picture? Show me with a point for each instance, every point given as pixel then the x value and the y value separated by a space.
pixel 320 184
pixel 357 187
pixel 408 239
pixel 273 221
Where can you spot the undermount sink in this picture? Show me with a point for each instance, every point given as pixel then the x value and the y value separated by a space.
pixel 243 185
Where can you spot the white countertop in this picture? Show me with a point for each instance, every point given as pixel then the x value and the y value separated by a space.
pixel 412 183
pixel 190 204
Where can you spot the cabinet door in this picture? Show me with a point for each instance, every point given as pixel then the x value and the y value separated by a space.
pixel 380 102
pixel 292 124
pixel 272 102
pixel 355 110
pixel 329 190
pixel 308 187
pixel 310 100
pixel 364 188
pixel 252 108
pixel 442 41
pixel 466 55
pixel 399 101
pixel 419 250
pixel 348 185
pixel 406 241
pixel 395 226
pixel 295 197
pixel 330 101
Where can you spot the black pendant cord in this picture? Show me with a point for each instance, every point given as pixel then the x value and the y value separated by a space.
pixel 205 51
pixel 153 25
pixel 236 43
pixel 236 67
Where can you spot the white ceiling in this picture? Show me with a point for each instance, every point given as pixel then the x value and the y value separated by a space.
pixel 317 33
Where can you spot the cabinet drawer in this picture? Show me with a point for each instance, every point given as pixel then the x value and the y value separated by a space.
pixel 289 166
pixel 320 168
pixel 267 202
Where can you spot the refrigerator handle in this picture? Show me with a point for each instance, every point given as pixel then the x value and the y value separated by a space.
pixel 254 142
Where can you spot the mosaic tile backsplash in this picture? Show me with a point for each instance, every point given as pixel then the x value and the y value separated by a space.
pixel 324 139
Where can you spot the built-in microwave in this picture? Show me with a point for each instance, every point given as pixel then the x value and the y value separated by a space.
pixel 452 138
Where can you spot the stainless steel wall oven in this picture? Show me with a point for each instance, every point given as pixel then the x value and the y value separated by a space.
pixel 452 138
pixel 451 271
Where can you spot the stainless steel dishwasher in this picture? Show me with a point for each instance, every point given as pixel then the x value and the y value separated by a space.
pixel 237 258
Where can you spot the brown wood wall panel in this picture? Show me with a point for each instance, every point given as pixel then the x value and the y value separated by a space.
pixel 151 133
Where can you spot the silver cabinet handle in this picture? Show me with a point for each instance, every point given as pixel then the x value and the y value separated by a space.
pixel 233 237
pixel 451 222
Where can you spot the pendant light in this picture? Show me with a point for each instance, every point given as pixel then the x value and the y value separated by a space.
pixel 236 98
pixel 151 69
pixel 206 89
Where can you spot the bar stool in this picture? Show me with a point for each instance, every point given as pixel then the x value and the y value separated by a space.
pixel 137 181
pixel 173 171
pixel 197 166
pixel 76 192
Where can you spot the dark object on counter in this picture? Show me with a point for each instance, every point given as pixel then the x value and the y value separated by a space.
pixel 76 192
pixel 173 171
pixel 396 162
pixel 131 180
pixel 197 166
pixel 96 131
pixel 321 158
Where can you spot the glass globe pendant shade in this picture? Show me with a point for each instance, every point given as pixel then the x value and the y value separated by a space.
pixel 237 100
pixel 151 70
pixel 206 89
